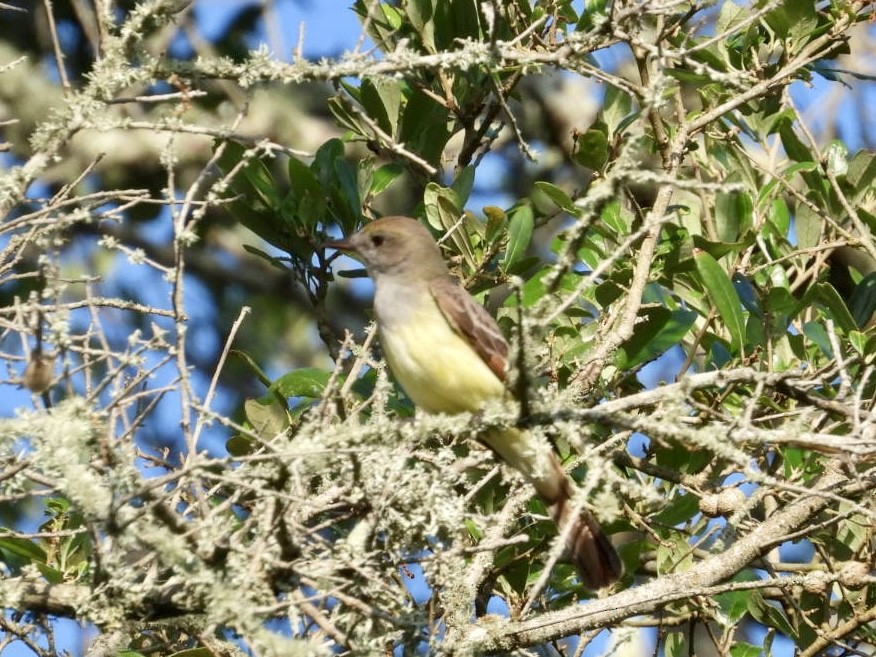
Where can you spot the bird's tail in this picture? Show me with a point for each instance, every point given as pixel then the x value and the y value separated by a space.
pixel 587 546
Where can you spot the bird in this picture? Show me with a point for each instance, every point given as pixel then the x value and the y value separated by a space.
pixel 449 356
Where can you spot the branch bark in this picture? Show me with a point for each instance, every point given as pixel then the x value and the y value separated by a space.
pixel 489 635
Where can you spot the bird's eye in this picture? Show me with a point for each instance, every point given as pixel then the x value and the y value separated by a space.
pixel 377 240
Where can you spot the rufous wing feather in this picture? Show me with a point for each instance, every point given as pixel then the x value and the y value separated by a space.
pixel 470 320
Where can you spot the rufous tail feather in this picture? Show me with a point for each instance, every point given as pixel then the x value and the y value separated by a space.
pixel 587 546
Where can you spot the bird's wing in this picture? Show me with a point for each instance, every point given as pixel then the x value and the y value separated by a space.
pixel 469 319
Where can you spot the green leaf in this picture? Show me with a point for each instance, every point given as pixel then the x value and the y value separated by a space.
pixel 259 177
pixel 392 15
pixel 863 300
pixel 420 13
pixel 686 75
pixel 340 184
pixel 302 179
pixel 858 341
pixel 455 20
pixel 808 226
pixel 617 110
pixel 794 20
pixel 443 212
pixel 384 177
pixel 595 11
pixel 240 445
pixel 779 218
pixel 793 461
pixel 778 276
pixel 681 509
pixel 730 15
pixel 346 192
pixel 267 416
pixel 347 119
pixel 745 650
pixel 660 330
pixel 424 127
pixel 255 204
pixel 533 290
pixel 339 181
pixel 733 215
pixel 869 219
pixel 827 296
pixel 57 506
pixel 615 217
pixel 675 645
pixel 754 330
pixel 381 98
pixel 591 149
pixel 787 174
pixel 720 290
pixel 818 335
pixel 463 184
pixel 303 382
pixel 680 457
pixel 473 530
pixel 795 148
pixel 521 223
pixel 609 291
pixel 52 575
pixel 781 304
pixel 526 264
pixel 22 547
pixel 306 194
pixel 733 604
pixel 232 153
pixel 324 161
pixel 768 615
pixel 720 249
pixel 557 196
pixel 862 174
pixel 496 220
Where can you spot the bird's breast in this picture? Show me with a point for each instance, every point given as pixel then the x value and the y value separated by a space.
pixel 436 367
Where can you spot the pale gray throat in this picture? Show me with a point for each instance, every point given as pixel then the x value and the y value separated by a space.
pixel 396 297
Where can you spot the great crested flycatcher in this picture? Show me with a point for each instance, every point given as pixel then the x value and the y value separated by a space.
pixel 449 356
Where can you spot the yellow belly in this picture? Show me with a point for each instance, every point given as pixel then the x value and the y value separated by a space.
pixel 436 367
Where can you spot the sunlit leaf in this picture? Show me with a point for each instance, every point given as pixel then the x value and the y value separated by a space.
pixel 745 650
pixel 520 226
pixel 557 196
pixel 268 417
pixel 303 382
pixel 384 177
pixel 675 644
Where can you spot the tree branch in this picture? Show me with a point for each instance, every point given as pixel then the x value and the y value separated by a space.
pixel 492 636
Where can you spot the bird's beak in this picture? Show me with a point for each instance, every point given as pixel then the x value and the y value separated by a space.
pixel 341 245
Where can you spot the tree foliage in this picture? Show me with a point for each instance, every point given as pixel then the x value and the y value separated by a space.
pixel 198 458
